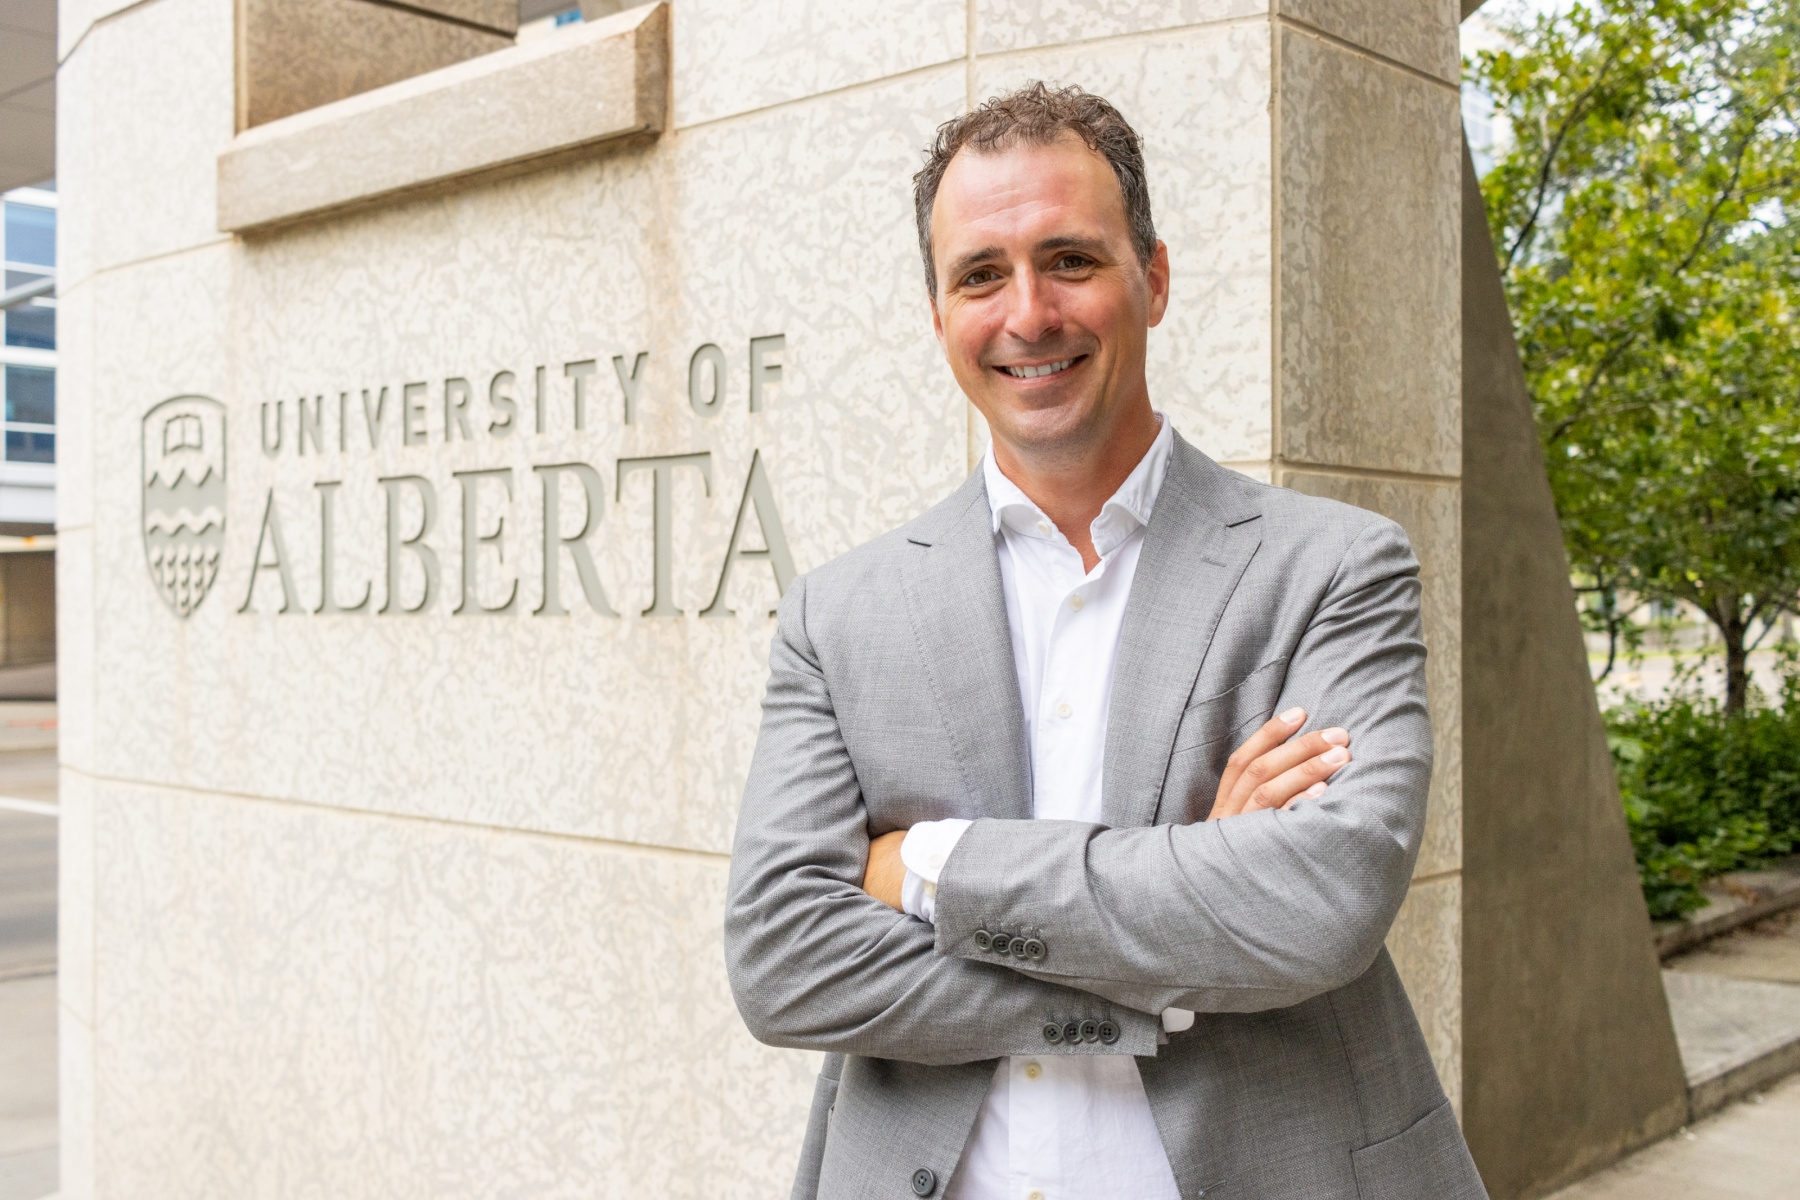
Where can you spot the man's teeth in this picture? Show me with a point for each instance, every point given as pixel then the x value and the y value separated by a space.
pixel 1034 372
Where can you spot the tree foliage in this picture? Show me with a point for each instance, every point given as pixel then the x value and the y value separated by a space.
pixel 1641 214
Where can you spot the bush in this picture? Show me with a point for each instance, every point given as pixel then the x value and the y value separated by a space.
pixel 1705 793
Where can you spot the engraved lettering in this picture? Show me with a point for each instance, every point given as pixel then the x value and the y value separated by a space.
pixel 538 401
pixel 457 395
pixel 630 382
pixel 580 372
pixel 758 493
pixel 502 405
pixel 662 468
pixel 708 402
pixel 473 540
pixel 428 560
pixel 310 424
pixel 343 429
pixel 375 417
pixel 762 371
pixel 412 433
pixel 271 448
pixel 555 541
pixel 270 535
pixel 328 555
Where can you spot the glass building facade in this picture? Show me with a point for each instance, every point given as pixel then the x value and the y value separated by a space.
pixel 28 358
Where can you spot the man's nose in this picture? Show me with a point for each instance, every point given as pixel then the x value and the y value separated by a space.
pixel 1032 314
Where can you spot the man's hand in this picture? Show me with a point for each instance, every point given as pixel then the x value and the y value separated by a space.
pixel 885 874
pixel 1270 771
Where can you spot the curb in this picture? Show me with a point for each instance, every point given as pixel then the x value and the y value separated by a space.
pixel 1772 896
pixel 1734 1081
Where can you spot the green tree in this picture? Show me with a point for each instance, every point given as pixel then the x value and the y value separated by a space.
pixel 1641 216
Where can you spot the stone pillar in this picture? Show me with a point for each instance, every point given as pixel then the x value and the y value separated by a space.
pixel 418 894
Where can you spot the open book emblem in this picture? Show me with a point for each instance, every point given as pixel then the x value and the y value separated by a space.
pixel 184 498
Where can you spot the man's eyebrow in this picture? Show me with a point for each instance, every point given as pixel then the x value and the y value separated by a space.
pixel 974 258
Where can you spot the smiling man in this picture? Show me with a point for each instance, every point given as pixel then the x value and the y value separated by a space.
pixel 1038 843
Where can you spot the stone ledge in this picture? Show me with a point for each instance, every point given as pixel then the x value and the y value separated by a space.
pixel 1733 901
pixel 594 84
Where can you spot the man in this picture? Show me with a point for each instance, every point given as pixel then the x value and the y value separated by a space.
pixel 997 851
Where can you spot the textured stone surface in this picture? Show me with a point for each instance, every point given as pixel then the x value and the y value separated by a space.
pixel 1002 25
pixel 639 728
pixel 301 1001
pixel 1569 1055
pixel 151 103
pixel 737 56
pixel 1420 33
pixel 75 895
pixel 1370 366
pixel 502 16
pixel 299 54
pixel 1426 942
pixel 1430 514
pixel 601 82
pixel 1200 99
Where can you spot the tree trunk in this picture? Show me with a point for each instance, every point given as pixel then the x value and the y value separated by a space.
pixel 1733 627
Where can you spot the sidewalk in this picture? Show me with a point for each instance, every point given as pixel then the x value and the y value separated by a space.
pixel 28 1132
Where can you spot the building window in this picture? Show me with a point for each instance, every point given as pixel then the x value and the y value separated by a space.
pixel 30 235
pixel 30 414
pixel 32 324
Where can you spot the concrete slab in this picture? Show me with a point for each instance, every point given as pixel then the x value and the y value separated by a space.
pixel 1735 1034
pixel 1768 951
pixel 1745 1152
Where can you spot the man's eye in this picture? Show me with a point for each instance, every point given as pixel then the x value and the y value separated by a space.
pixel 980 278
pixel 1072 262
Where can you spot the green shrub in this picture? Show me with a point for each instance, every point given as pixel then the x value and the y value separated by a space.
pixel 1705 793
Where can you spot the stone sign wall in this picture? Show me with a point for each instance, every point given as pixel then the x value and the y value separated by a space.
pixel 418 547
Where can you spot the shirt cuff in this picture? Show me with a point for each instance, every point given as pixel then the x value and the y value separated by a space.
pixel 924 850
pixel 1176 1020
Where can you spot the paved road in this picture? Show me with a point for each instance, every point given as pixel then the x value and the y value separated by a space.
pixel 27 953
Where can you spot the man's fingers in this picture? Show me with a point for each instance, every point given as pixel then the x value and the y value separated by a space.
pixel 1308 778
pixel 1275 731
pixel 1284 758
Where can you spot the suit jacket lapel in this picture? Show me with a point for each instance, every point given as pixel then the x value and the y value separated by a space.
pixel 1202 534
pixel 958 611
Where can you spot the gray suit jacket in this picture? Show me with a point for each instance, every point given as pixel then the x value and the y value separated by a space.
pixel 893 699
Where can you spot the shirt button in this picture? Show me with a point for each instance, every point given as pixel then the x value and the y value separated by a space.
pixel 1064 710
pixel 1032 1070
pixel 1044 528
pixel 1034 1195
pixel 936 860
pixel 1075 603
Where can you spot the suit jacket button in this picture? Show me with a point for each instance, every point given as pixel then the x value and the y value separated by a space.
pixel 1018 947
pixel 984 940
pixel 1034 949
pixel 924 1182
pixel 1072 1032
pixel 1109 1032
pixel 1090 1030
pixel 1053 1033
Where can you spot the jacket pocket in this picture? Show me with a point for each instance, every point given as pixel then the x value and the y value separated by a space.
pixel 1429 1161
pixel 1216 718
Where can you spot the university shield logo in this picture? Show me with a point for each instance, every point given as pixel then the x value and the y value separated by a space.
pixel 184 497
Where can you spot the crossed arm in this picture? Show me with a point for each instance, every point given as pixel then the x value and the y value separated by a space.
pixel 1289 897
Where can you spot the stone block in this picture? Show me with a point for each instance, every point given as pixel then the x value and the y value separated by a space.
pixel 1432 517
pixel 1369 253
pixel 300 1000
pixel 1006 25
pixel 75 1102
pixel 74 417
pixel 601 83
pixel 152 92
pixel 76 685
pixel 74 18
pixel 637 728
pixel 75 895
pixel 737 56
pixel 501 16
pixel 1200 99
pixel 1421 34
pixel 295 55
pixel 1426 942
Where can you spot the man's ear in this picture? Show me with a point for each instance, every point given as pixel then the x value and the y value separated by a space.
pixel 1157 276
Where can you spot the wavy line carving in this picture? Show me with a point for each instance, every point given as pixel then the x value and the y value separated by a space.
pixel 184 518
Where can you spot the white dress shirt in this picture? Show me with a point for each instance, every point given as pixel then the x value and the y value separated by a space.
pixel 1060 1127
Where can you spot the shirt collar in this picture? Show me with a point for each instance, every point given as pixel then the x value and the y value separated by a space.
pixel 1121 516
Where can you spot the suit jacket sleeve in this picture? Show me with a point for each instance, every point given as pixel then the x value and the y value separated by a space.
pixel 816 963
pixel 1251 912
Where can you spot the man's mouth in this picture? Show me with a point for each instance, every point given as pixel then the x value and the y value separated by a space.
pixel 1040 371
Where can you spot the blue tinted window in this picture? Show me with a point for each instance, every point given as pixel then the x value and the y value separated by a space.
pixel 32 324
pixel 30 398
pixel 30 235
pixel 30 447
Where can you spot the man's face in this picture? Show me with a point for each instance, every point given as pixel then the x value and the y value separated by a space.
pixel 1043 309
